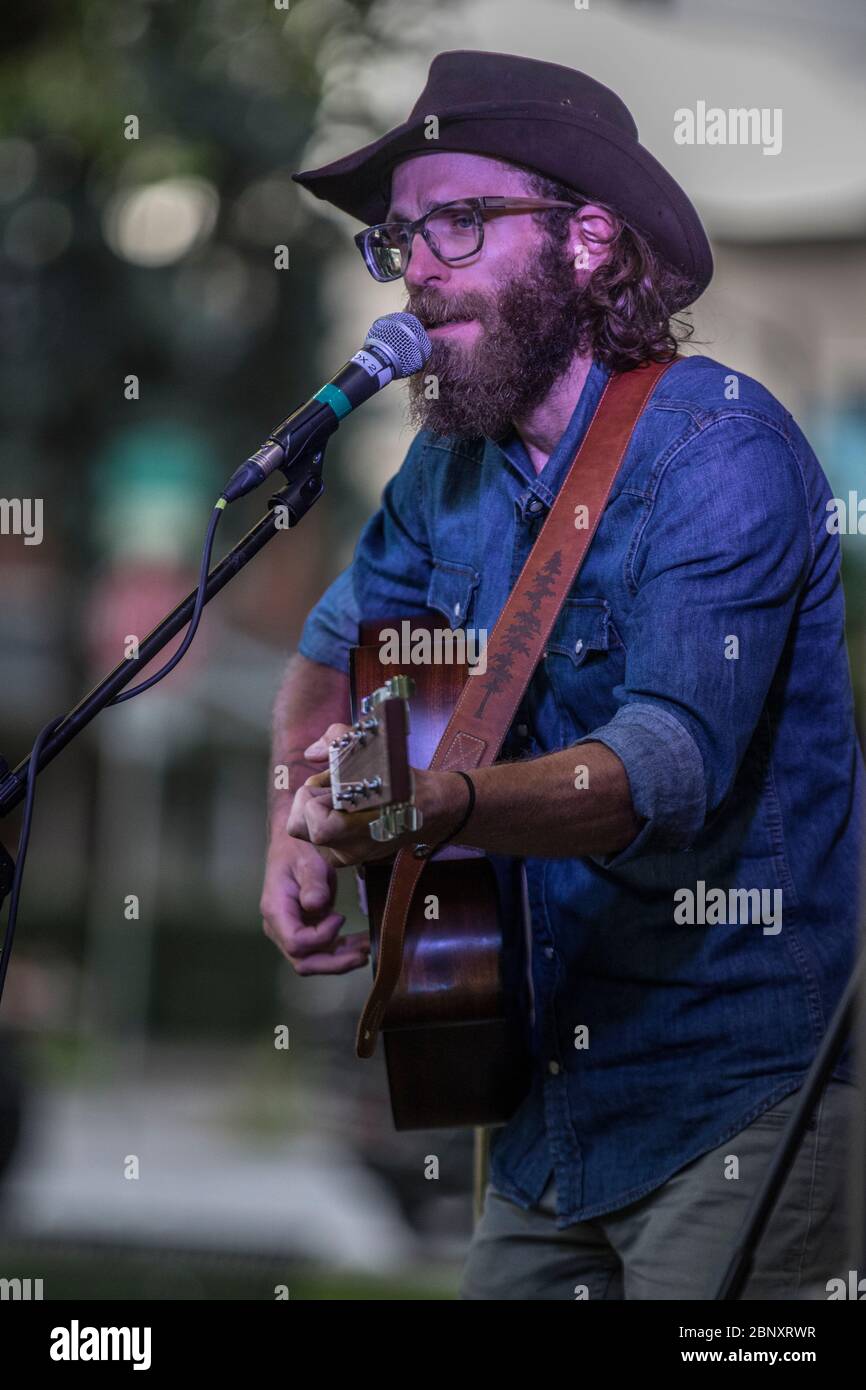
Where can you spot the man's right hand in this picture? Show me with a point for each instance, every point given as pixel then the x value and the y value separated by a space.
pixel 297 911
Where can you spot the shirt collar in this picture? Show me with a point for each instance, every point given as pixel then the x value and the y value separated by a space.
pixel 546 484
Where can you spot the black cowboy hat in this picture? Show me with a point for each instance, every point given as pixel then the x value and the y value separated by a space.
pixel 548 118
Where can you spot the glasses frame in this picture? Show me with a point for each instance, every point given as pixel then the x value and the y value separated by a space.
pixel 478 206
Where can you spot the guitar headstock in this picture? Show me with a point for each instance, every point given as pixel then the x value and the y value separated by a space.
pixel 369 766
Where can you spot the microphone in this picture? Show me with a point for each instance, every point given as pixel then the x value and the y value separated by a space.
pixel 396 346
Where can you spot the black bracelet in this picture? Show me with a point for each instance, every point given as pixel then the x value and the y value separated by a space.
pixel 423 851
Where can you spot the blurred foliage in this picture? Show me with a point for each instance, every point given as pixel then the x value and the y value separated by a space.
pixel 223 91
pixel 77 67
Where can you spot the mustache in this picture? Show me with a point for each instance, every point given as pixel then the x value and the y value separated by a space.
pixel 433 309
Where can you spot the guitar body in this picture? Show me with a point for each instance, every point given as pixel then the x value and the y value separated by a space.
pixel 453 1032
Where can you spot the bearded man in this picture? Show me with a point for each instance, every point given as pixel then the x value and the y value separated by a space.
pixel 697 673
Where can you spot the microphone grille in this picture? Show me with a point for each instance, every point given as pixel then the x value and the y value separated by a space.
pixel 403 338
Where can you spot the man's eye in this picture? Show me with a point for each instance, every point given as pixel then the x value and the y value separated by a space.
pixel 456 221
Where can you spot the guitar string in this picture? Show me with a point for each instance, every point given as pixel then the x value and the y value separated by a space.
pixel 342 755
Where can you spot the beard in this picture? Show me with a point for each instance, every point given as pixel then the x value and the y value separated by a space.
pixel 532 323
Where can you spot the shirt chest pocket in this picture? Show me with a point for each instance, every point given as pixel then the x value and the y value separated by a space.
pixel 452 590
pixel 585 664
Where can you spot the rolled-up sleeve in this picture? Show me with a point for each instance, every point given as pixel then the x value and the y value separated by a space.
pixel 717 574
pixel 389 573
pixel 665 774
pixel 331 628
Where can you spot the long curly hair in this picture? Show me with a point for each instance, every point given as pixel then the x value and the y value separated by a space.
pixel 632 299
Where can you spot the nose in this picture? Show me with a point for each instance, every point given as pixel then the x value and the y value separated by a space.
pixel 424 268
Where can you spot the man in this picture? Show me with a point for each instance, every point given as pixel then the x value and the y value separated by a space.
pixel 692 890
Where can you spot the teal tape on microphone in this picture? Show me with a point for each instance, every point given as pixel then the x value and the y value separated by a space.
pixel 338 400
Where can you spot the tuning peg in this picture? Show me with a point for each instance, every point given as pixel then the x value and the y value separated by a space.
pixel 394 820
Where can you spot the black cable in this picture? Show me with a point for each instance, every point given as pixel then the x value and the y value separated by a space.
pixel 194 620
pixel 48 729
pixel 23 840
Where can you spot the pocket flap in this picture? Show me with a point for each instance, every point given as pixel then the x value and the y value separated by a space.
pixel 583 626
pixel 451 591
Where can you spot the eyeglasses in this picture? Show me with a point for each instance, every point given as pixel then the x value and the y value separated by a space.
pixel 454 232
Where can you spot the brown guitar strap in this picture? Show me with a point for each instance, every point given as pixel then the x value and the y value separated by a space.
pixel 489 701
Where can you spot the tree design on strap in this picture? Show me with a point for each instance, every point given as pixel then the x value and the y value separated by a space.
pixel 521 633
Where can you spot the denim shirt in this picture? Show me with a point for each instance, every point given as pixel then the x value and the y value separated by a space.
pixel 703 642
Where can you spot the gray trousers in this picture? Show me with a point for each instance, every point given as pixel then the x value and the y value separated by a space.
pixel 676 1242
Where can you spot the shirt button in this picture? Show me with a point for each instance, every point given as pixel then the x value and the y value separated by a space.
pixel 457 610
pixel 523 730
pixel 549 952
pixel 553 1068
pixel 578 647
pixel 535 505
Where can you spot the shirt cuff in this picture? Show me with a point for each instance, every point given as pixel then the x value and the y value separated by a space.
pixel 327 651
pixel 665 773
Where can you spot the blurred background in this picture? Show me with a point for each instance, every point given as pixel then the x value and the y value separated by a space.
pixel 154 1142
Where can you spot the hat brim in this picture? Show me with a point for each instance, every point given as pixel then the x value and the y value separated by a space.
pixel 582 151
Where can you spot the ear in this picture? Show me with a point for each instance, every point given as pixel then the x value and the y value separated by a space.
pixel 590 230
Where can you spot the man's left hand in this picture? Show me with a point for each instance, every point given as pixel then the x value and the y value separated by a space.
pixel 345 835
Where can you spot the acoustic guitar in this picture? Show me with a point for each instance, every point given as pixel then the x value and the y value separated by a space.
pixel 454 1031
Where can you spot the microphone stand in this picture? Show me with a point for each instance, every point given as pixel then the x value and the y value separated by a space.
pixel 304 487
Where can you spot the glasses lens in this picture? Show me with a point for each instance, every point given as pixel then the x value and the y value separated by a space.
pixel 455 231
pixel 385 252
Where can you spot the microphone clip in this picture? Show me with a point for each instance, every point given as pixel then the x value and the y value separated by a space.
pixel 304 486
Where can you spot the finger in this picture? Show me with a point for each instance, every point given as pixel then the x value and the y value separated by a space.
pixel 349 953
pixel 310 938
pixel 315 926
pixel 298 933
pixel 319 748
pixel 324 939
pixel 330 832
pixel 296 825
pixel 318 779
pixel 299 897
pixel 324 826
pixel 316 883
